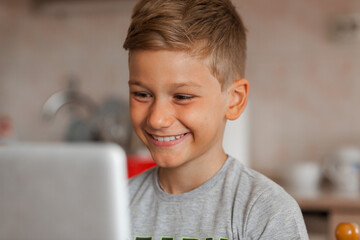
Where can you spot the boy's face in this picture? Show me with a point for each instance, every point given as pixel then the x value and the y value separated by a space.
pixel 177 107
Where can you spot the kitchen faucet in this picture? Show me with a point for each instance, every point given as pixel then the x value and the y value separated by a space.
pixel 70 96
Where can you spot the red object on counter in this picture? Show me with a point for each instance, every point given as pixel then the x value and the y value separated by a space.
pixel 137 165
pixel 5 126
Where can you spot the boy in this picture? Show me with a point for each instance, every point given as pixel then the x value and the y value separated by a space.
pixel 186 68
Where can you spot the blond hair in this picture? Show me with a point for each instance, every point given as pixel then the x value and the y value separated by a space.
pixel 209 29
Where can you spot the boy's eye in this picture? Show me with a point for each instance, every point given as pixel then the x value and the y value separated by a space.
pixel 183 97
pixel 141 95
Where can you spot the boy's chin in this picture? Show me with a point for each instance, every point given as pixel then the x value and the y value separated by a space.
pixel 168 162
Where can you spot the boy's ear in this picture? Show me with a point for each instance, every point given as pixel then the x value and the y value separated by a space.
pixel 238 96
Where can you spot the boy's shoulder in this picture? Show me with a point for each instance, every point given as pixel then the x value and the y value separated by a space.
pixel 142 180
pixel 252 183
pixel 258 192
pixel 265 204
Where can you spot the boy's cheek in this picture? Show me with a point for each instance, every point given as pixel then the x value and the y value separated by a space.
pixel 136 108
pixel 136 115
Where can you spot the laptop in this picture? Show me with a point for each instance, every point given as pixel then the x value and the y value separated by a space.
pixel 63 192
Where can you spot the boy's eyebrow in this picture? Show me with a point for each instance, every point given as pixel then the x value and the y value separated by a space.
pixel 186 84
pixel 175 85
pixel 134 82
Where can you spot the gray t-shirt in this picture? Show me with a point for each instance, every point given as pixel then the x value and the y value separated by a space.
pixel 236 203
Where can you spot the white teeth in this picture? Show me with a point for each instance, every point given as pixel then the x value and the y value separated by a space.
pixel 167 139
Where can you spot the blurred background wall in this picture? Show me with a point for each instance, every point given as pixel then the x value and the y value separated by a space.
pixel 304 85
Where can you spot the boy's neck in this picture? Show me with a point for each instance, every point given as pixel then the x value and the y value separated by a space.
pixel 191 175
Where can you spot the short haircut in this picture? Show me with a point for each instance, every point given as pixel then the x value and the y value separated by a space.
pixel 209 29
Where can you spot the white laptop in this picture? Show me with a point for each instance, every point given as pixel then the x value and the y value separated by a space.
pixel 63 192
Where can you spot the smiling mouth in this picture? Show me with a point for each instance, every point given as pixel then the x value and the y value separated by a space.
pixel 168 138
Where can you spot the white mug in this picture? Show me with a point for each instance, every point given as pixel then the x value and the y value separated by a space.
pixel 343 169
pixel 303 177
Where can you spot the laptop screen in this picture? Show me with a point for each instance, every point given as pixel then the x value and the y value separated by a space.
pixel 63 191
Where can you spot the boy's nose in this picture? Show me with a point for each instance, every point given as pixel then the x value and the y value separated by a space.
pixel 160 116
